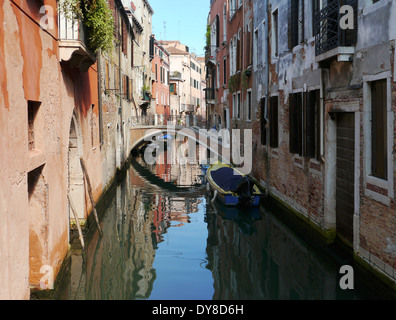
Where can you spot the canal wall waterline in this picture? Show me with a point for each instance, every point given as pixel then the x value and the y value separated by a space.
pixel 89 228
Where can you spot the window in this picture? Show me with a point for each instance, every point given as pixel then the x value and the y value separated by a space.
pixel 379 150
pixel 239 51
pixel 217 31
pixel 124 38
pixel 172 88
pixel 295 123
pixel 225 70
pixel 127 88
pixel 304 124
pixel 232 8
pixel 312 125
pixel 156 72
pixel 256 49
pixel 218 76
pixel 124 86
pixel 231 57
pixel 132 53
pixel 249 44
pixel 263 122
pixel 295 23
pixel 33 107
pixel 234 108
pixel 161 73
pixel 249 105
pixel 315 10
pixel 130 89
pixel 275 32
pixel 225 23
pixel 273 118
pixel 116 79
pixel 238 105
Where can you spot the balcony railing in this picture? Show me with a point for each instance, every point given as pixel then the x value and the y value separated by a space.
pixel 169 120
pixel 187 108
pixel 73 43
pixel 328 32
pixel 209 94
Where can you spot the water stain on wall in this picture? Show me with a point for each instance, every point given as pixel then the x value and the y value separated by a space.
pixel 31 50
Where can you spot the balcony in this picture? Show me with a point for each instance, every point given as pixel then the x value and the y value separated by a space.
pixel 187 108
pixel 210 56
pixel 331 41
pixel 73 44
pixel 210 95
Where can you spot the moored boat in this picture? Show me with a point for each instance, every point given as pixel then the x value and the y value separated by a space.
pixel 232 187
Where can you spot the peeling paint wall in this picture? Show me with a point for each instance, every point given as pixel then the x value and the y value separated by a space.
pixel 35 216
pixel 308 185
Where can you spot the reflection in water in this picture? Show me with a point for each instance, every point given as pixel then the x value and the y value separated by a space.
pixel 162 239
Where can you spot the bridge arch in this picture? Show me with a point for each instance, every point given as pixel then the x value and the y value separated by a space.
pixel 144 135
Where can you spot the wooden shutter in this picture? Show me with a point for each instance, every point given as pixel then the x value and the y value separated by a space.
pixel 295 123
pixel 247 57
pixel 310 125
pixel 379 153
pixel 238 53
pixel 132 55
pixel 217 31
pixel 293 23
pixel 299 122
pixel 274 122
pixel 263 122
pixel 124 36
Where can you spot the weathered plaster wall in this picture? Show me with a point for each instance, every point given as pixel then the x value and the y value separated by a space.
pixel 35 228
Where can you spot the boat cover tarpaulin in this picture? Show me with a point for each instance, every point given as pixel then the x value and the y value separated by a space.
pixel 226 178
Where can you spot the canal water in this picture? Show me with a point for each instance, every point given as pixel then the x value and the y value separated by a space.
pixel 163 239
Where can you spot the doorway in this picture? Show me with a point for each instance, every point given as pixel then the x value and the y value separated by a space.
pixel 345 176
pixel 75 173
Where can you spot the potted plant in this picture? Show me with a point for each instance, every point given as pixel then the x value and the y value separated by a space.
pixel 97 19
pixel 146 93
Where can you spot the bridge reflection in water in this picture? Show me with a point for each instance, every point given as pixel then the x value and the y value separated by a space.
pixel 162 239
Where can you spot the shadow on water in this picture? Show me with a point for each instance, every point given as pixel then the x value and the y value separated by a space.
pixel 164 239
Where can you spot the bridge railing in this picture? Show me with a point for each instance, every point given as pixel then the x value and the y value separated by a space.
pixel 170 120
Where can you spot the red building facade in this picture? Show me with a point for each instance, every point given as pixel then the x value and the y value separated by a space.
pixel 160 69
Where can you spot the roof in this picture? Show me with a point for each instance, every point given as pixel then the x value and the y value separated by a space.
pixel 173 50
pixel 151 11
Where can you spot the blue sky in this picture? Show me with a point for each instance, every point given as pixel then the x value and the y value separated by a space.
pixel 185 21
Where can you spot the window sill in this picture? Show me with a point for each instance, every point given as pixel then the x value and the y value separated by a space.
pixel 298 161
pixel 36 159
pixel 274 153
pixel 315 166
pixel 378 190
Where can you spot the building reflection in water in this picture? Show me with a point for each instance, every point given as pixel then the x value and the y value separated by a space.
pixel 248 255
pixel 254 256
pixel 119 265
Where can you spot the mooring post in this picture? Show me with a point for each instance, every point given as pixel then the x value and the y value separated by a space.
pixel 73 209
pixel 90 194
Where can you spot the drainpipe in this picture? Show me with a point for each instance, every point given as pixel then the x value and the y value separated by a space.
pixel 100 107
pixel 266 31
pixel 120 109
